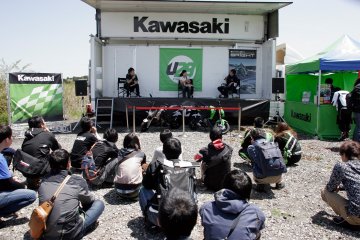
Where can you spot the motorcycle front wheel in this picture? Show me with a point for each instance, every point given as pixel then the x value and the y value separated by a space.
pixel 144 127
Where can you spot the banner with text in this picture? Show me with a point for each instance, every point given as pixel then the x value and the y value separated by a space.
pixel 173 61
pixel 244 62
pixel 36 94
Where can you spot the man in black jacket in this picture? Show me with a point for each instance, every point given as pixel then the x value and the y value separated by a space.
pixel 232 81
pixel 105 154
pixel 38 142
pixel 67 220
pixel 83 142
pixel 216 160
pixel 150 193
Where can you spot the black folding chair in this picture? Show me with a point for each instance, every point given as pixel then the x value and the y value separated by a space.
pixel 121 87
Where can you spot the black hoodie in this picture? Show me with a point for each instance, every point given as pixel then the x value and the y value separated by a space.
pixel 38 143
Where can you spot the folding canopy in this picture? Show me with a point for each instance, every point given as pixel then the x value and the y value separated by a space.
pixel 340 61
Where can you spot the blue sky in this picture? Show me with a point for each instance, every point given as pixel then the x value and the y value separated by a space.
pixel 53 35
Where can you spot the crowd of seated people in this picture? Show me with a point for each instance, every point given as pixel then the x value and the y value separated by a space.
pixel 166 186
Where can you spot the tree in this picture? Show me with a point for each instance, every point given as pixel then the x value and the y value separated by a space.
pixel 6 68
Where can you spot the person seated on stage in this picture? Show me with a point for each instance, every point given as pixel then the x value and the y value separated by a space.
pixel 132 164
pixel 232 81
pixel 186 84
pixel 13 195
pixel 267 161
pixel 178 215
pixel 67 219
pixel 345 176
pixel 105 156
pixel 158 153
pixel 132 83
pixel 215 160
pixel 289 145
pixel 230 215
pixel 258 123
pixel 83 142
pixel 38 142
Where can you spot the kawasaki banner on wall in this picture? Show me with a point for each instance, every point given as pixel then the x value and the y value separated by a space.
pixel 244 62
pixel 173 61
pixel 36 94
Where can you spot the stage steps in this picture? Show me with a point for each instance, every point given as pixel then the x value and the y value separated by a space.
pixel 104 112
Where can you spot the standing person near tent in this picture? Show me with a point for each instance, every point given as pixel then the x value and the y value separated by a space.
pixel 343 118
pixel 354 105
pixel 333 89
pixel 289 145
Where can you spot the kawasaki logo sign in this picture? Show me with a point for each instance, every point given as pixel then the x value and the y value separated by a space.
pixel 301 116
pixel 175 60
pixel 48 78
pixel 143 24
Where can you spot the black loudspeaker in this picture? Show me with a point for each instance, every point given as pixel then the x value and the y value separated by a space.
pixel 80 87
pixel 278 85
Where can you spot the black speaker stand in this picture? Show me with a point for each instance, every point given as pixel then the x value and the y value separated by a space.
pixel 274 120
pixel 83 114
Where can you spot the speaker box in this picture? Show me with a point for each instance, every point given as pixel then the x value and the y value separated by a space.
pixel 80 87
pixel 278 85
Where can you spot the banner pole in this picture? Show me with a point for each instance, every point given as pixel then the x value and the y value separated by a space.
pixel 127 116
pixel 183 123
pixel 239 120
pixel 7 83
pixel 133 119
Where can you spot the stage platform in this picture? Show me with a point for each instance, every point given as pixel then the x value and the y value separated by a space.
pixel 250 108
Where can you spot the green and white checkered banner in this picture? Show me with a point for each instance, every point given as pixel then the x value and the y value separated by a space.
pixel 173 61
pixel 36 94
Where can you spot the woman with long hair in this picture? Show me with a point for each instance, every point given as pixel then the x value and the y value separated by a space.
pixel 186 84
pixel 129 172
pixel 289 145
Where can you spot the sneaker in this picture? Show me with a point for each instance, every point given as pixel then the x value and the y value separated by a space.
pixel 339 220
pixel 260 187
pixel 280 185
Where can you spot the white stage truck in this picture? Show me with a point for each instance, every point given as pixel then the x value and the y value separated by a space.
pixel 160 39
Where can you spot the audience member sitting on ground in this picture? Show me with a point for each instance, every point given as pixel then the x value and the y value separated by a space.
pixel 83 142
pixel 232 81
pixel 105 156
pixel 268 163
pixel 177 215
pixel 258 123
pixel 131 164
pixel 158 153
pixel 289 145
pixel 162 177
pixel 216 160
pixel 67 220
pixel 345 175
pixel 231 216
pixel 38 142
pixel 13 196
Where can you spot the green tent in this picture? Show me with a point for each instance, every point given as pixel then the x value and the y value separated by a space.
pixel 340 61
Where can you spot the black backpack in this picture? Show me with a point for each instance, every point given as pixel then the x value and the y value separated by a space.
pixel 354 100
pixel 272 160
pixel 182 178
pixel 30 166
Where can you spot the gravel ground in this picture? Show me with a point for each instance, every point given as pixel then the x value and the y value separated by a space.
pixel 296 212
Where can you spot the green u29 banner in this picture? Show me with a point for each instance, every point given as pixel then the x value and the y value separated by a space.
pixel 36 94
pixel 173 61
